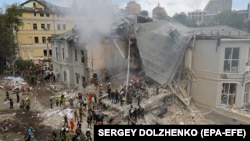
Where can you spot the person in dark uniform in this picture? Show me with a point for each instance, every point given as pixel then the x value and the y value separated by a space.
pixel 11 103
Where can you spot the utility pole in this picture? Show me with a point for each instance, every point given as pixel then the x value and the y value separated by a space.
pixel 129 43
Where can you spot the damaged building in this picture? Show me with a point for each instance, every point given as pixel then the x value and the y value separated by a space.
pixel 207 65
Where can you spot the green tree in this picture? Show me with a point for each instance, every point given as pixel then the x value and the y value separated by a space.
pixel 9 21
pixel 144 13
pixel 182 18
pixel 230 18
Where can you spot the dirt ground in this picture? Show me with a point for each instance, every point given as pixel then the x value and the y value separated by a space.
pixel 18 120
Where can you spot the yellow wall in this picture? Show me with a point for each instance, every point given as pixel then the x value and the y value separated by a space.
pixel 28 49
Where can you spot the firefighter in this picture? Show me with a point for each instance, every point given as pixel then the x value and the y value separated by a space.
pixel 72 125
pixel 27 103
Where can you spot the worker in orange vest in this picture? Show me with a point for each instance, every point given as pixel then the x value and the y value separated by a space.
pixel 72 125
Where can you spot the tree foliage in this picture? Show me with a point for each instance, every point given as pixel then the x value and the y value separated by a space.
pixel 182 18
pixel 9 21
pixel 230 18
pixel 144 13
pixel 23 65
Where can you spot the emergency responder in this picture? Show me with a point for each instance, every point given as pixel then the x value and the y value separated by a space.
pixel 63 134
pixel 109 89
pixel 78 131
pixel 81 113
pixel 88 135
pixel 135 114
pixel 72 125
pixel 116 96
pixel 100 90
pixel 57 100
pixel 95 78
pixel 66 120
pixel 27 103
pixel 89 121
pixel 71 102
pixel 7 95
pixel 76 115
pixel 11 103
pixel 61 99
pixel 17 97
pixel 51 102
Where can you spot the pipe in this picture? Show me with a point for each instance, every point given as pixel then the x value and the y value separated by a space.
pixel 117 46
pixel 243 79
pixel 236 40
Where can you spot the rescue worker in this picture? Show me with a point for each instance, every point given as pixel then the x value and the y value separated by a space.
pixel 66 120
pixel 80 111
pixel 76 115
pixel 100 90
pixel 61 99
pixel 72 125
pixel 71 102
pixel 7 95
pixel 17 97
pixel 89 121
pixel 57 100
pixel 68 135
pixel 109 89
pixel 63 134
pixel 95 78
pixel 88 135
pixel 64 103
pixel 11 103
pixel 27 103
pixel 51 102
pixel 78 131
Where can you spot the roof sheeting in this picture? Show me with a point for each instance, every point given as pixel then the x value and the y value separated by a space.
pixel 161 49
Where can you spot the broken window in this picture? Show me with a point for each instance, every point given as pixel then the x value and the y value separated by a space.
pixel 41 14
pixel 83 81
pixel 82 56
pixel 228 93
pixel 231 59
pixel 246 94
pixel 77 78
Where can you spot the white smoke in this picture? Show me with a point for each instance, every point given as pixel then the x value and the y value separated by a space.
pixel 93 18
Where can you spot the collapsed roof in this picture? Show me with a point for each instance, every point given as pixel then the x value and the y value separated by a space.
pixel 161 49
pixel 162 45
